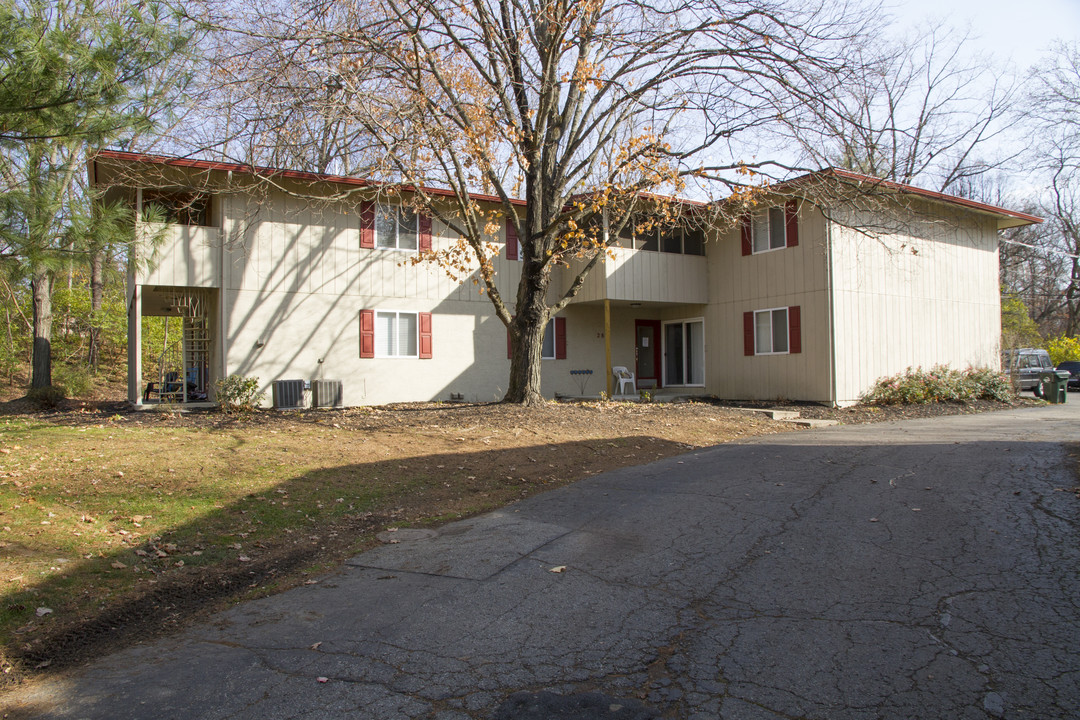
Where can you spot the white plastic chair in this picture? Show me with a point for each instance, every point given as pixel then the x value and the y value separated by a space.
pixel 623 376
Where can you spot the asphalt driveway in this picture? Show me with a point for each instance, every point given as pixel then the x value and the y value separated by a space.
pixel 924 569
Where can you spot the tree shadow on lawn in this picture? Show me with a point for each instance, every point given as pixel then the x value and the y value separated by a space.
pixel 242 560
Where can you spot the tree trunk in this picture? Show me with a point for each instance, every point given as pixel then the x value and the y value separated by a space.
pixel 527 332
pixel 97 265
pixel 41 360
pixel 527 340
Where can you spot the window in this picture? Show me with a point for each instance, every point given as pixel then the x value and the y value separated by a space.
pixel 776 331
pixel 771 331
pixel 771 229
pixel 693 241
pixel 547 352
pixel 395 228
pixel 179 208
pixel 394 334
pixel 661 237
pixel 684 353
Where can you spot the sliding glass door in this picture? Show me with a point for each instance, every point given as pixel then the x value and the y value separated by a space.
pixel 684 352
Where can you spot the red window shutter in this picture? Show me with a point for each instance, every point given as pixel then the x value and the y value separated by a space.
pixel 747 243
pixel 748 333
pixel 511 240
pixel 560 338
pixel 425 336
pixel 367 228
pixel 367 333
pixel 425 234
pixel 794 320
pixel 791 220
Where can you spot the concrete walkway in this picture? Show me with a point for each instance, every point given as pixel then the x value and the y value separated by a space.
pixel 924 569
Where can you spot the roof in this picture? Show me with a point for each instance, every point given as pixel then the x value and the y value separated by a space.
pixel 214 165
pixel 1006 218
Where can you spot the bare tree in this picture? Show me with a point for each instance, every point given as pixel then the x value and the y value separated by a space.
pixel 581 108
pixel 1041 266
pixel 916 110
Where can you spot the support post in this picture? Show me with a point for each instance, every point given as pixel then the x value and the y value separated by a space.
pixel 134 311
pixel 607 348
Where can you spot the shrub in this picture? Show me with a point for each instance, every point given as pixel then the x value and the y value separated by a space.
pixel 237 393
pixel 76 381
pixel 939 384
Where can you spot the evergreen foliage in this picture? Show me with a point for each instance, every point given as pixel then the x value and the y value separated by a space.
pixel 75 75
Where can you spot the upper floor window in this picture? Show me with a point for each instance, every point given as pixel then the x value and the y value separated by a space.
pixel 771 229
pixel 179 207
pixel 660 237
pixel 395 227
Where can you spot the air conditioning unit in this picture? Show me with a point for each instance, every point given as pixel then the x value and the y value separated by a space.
pixel 326 393
pixel 288 394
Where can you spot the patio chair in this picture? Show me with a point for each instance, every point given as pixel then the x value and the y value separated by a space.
pixel 623 376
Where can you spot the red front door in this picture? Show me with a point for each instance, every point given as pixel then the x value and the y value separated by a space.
pixel 647 352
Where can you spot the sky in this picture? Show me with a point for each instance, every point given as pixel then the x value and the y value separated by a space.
pixel 1012 31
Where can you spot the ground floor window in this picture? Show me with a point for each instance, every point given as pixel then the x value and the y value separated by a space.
pixel 394 334
pixel 684 353
pixel 771 331
pixel 547 352
pixel 776 331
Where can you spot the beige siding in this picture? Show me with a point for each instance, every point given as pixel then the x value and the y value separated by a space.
pixel 657 277
pixel 779 278
pixel 186 256
pixel 646 276
pixel 294 280
pixel 925 293
pixel 297 280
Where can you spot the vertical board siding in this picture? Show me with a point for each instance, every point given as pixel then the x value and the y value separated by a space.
pixel 188 256
pixel 645 276
pixel 918 296
pixel 738 284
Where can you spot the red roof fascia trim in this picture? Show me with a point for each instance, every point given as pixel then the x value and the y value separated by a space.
pixel 275 172
pixel 914 190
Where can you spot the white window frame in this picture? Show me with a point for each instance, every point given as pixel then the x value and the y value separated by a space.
pixel 787 331
pixel 379 337
pixel 664 351
pixel 549 332
pixel 401 214
pixel 764 220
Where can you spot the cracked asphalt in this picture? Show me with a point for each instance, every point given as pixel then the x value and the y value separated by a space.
pixel 921 569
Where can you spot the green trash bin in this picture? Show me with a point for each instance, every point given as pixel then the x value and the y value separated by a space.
pixel 1054 385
